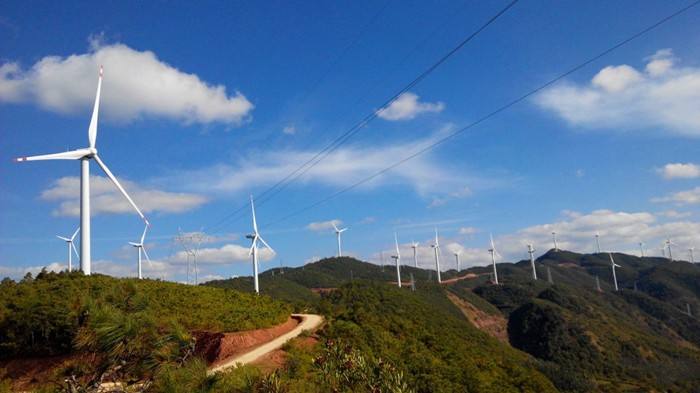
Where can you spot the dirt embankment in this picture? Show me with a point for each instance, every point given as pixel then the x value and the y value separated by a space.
pixel 216 347
pixel 467 276
pixel 494 325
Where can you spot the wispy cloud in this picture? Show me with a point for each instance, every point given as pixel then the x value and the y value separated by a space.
pixel 407 106
pixel 105 198
pixel 687 197
pixel 226 254
pixel 662 96
pixel 136 84
pixel 323 225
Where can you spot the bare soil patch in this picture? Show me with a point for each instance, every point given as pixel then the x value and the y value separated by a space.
pixel 494 325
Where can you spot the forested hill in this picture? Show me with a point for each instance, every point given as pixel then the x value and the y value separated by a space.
pixel 639 338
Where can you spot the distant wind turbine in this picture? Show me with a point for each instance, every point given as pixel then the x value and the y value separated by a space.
pixel 337 235
pixel 397 259
pixel 690 252
pixel 669 243
pixel 255 237
pixel 613 265
pixel 414 246
pixel 71 248
pixel 436 248
pixel 641 249
pixel 459 265
pixel 85 155
pixel 531 251
pixel 140 248
pixel 493 253
pixel 597 242
pixel 554 239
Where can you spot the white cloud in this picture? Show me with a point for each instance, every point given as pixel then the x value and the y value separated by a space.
pixel 105 198
pixel 462 193
pixel 407 107
pixel 229 253
pixel 688 197
pixel 680 171
pixel 342 167
pixel 136 84
pixel 17 272
pixel 289 130
pixel 664 96
pixel 323 225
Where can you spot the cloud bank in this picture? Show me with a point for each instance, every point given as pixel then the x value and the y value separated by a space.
pixel 136 84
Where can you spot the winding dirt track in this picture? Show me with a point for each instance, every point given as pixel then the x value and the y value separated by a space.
pixel 309 322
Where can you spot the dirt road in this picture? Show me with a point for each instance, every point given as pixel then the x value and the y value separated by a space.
pixel 309 322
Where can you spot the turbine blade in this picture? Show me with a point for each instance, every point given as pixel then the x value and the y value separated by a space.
pixel 147 258
pixel 75 233
pixel 135 244
pixel 335 227
pixel 63 238
pixel 119 186
pixel 92 131
pixel 75 250
pixel 255 223
pixel 143 236
pixel 343 230
pixel 66 155
pixel 265 243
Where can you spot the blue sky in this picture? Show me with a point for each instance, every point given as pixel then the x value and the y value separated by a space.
pixel 204 104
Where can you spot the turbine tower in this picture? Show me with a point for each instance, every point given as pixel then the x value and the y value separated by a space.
pixel 255 237
pixel 690 252
pixel 613 265
pixel 493 253
pixel 337 235
pixel 436 248
pixel 459 265
pixel 140 249
pixel 397 259
pixel 531 251
pixel 641 249
pixel 85 155
pixel 597 242
pixel 554 239
pixel 414 246
pixel 71 248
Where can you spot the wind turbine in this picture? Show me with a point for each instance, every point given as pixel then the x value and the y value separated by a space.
pixel 690 252
pixel 71 247
pixel 493 253
pixel 669 243
pixel 597 242
pixel 397 259
pixel 140 249
pixel 641 249
pixel 255 237
pixel 613 265
pixel 531 251
pixel 337 235
pixel 85 155
pixel 414 246
pixel 459 265
pixel 554 239
pixel 436 248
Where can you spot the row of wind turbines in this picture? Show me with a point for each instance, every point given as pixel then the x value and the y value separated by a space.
pixel 90 153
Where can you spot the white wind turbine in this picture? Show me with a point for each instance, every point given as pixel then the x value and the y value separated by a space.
pixel 254 237
pixel 597 242
pixel 140 248
pixel 337 235
pixel 397 259
pixel 690 253
pixel 493 253
pixel 613 265
pixel 436 248
pixel 459 265
pixel 554 239
pixel 531 251
pixel 85 155
pixel 669 243
pixel 71 248
pixel 414 246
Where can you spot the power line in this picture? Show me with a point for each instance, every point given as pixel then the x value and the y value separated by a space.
pixel 491 114
pixel 339 140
